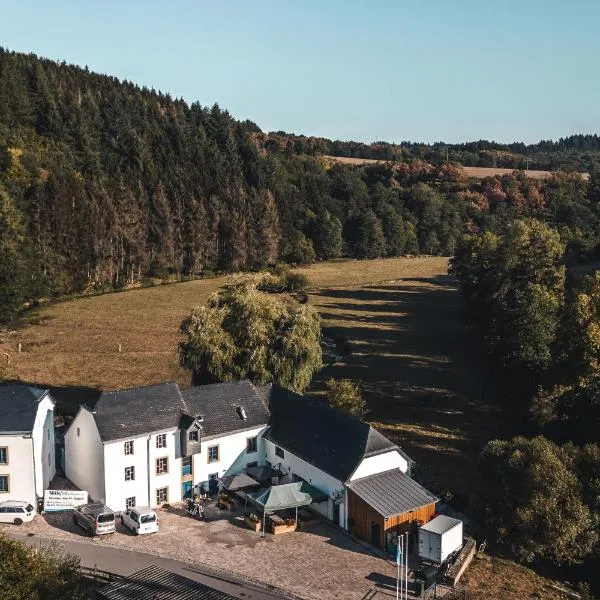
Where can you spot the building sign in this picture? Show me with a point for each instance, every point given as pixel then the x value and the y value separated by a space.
pixel 56 500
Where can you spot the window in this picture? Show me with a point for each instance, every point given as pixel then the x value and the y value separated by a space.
pixel 251 464
pixel 78 432
pixel 129 473
pixel 161 440
pixel 128 447
pixel 279 452
pixel 186 465
pixel 3 456
pixel 48 433
pixel 162 465
pixel 129 502
pixel 193 435
pixel 251 444
pixel 162 495
pixel 213 454
pixel 49 463
pixel 4 484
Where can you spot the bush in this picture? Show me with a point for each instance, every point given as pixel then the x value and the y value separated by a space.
pixel 345 395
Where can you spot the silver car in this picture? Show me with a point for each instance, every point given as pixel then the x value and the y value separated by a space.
pixel 96 518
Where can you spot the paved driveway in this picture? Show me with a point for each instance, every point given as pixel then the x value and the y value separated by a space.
pixel 317 563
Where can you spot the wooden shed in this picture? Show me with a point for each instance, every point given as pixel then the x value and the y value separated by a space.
pixel 387 502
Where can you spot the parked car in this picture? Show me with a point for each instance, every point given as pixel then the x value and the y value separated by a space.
pixel 16 512
pixel 140 519
pixel 96 518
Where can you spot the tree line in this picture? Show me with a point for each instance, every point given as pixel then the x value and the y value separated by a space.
pixel 105 184
pixel 539 493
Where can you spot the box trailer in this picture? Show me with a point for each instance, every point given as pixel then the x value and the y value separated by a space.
pixel 439 538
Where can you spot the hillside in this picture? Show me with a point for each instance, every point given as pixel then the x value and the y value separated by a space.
pixel 104 185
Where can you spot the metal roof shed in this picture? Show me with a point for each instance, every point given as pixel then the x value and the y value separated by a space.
pixel 154 582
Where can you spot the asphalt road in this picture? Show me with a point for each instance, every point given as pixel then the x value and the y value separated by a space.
pixel 126 562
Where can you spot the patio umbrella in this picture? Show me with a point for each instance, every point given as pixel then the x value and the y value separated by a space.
pixel 280 497
pixel 240 481
pixel 263 473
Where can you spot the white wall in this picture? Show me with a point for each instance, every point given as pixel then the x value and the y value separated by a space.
pixel 146 481
pixel 233 457
pixel 292 464
pixel 43 442
pixel 84 455
pixel 379 464
pixel 19 468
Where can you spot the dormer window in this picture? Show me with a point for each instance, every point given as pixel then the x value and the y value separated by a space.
pixel 193 435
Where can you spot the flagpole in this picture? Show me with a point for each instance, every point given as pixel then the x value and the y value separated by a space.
pixel 406 570
pixel 398 559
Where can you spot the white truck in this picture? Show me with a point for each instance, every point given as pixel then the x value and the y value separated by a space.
pixel 440 538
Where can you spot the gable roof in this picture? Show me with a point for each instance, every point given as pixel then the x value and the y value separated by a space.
pixel 322 436
pixel 18 407
pixel 220 405
pixel 391 492
pixel 155 582
pixel 138 411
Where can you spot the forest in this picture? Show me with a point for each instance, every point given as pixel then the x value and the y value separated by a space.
pixel 105 184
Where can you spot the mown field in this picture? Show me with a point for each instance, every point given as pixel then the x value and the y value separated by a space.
pixel 422 372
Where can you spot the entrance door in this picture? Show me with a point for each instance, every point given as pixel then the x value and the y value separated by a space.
pixel 336 513
pixel 186 489
pixel 376 534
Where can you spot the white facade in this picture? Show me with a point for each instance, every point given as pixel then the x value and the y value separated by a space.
pixel 380 463
pixel 84 455
pixel 30 457
pixel 233 455
pixel 292 465
pixel 100 467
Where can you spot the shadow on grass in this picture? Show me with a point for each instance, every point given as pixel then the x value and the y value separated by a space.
pixel 422 371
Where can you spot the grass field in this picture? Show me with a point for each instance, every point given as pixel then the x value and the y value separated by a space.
pixel 475 172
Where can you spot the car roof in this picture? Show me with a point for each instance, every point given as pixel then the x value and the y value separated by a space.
pixel 142 509
pixel 97 508
pixel 14 503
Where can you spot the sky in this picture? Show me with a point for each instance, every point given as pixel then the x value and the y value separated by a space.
pixel 394 70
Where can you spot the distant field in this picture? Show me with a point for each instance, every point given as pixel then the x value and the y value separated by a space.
pixel 475 172
pixel 77 342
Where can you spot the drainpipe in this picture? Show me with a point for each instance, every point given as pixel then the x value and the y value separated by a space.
pixel 148 465
pixel 34 474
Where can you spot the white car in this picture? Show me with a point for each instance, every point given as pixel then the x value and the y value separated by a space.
pixel 139 520
pixel 17 512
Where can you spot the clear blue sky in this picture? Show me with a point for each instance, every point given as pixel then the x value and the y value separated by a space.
pixel 421 70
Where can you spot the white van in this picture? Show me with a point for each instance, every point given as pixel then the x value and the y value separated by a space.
pixel 17 512
pixel 140 519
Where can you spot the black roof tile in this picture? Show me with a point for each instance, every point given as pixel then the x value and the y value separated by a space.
pixel 138 411
pixel 322 436
pixel 221 405
pixel 18 407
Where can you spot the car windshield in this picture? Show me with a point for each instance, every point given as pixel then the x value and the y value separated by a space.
pixel 106 518
pixel 29 508
pixel 148 518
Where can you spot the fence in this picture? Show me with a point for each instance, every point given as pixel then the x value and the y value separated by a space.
pixel 99 574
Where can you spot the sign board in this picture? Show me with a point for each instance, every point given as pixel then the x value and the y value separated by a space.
pixel 56 500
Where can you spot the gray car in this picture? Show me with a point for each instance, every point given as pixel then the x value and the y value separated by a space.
pixel 96 518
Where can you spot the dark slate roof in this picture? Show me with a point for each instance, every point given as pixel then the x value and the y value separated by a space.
pixel 18 407
pixel 391 492
pixel 154 582
pixel 220 404
pixel 138 411
pixel 322 436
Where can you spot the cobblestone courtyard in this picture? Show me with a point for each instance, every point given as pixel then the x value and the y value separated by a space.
pixel 317 563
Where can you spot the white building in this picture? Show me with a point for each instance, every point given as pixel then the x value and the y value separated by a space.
pixel 27 462
pixel 153 445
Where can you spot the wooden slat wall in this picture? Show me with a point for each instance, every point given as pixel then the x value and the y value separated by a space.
pixel 363 517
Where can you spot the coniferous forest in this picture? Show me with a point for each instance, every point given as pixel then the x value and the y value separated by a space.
pixel 104 183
